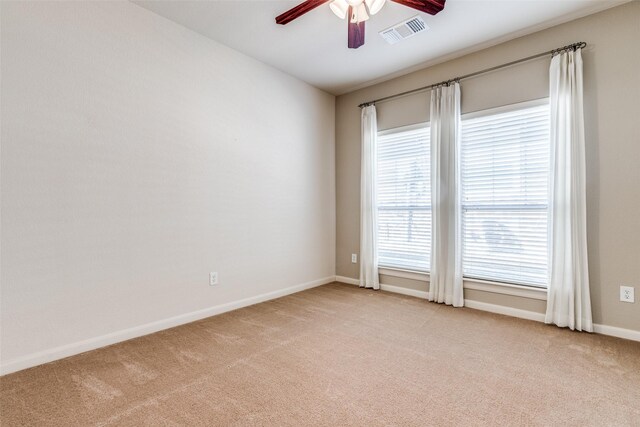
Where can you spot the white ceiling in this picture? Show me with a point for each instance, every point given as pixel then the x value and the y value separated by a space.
pixel 314 49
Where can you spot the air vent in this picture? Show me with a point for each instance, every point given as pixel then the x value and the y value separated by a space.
pixel 404 30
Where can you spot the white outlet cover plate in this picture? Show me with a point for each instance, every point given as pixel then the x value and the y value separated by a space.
pixel 354 258
pixel 627 294
pixel 213 278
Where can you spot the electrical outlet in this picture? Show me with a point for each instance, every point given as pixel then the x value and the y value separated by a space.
pixel 354 258
pixel 627 294
pixel 213 278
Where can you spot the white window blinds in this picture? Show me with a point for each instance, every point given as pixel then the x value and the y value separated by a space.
pixel 404 199
pixel 504 175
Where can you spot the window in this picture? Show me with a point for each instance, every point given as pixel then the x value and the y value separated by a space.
pixel 404 198
pixel 504 175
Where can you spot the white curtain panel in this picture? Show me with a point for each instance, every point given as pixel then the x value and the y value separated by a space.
pixel 446 254
pixel 568 301
pixel 368 208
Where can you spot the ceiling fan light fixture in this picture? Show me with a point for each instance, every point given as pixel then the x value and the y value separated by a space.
pixel 358 12
pixel 339 8
pixel 374 5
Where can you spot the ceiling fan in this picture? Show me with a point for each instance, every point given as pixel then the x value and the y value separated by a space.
pixel 358 12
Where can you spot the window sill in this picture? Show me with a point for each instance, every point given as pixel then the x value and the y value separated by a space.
pixel 473 284
pixel 522 291
pixel 404 274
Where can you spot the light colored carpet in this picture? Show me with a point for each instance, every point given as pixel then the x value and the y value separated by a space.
pixel 339 355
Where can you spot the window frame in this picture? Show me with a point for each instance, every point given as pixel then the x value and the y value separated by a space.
pixel 502 287
pixel 488 112
pixel 390 131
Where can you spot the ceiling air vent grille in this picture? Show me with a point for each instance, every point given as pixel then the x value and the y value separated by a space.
pixel 404 30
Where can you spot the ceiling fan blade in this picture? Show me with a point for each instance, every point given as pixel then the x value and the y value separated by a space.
pixel 356 32
pixel 428 6
pixel 299 10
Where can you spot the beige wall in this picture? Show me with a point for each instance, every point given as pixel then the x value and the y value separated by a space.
pixel 138 156
pixel 612 115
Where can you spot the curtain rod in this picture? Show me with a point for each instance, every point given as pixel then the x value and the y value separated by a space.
pixel 573 46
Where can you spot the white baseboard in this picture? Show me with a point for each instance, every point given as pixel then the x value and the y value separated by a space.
pixel 388 288
pixel 613 331
pixel 507 311
pixel 347 280
pixel 61 352
pixel 405 291
pixel 67 350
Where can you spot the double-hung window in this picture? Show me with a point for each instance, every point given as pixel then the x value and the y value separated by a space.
pixel 404 198
pixel 504 179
